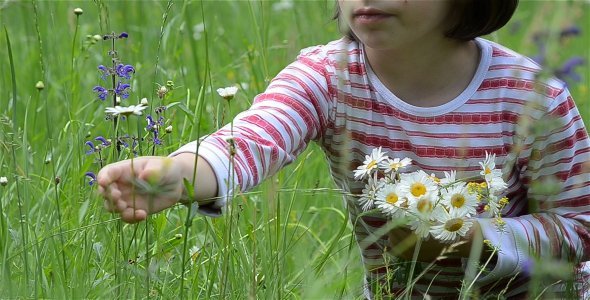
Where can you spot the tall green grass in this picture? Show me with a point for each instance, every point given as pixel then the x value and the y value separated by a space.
pixel 289 238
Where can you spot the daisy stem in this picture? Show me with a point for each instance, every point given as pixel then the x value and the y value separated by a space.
pixel 412 268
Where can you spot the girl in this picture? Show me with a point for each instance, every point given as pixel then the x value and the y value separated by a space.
pixel 415 78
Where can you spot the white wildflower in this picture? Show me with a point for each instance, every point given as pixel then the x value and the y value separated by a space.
pixel 450 177
pixel 496 184
pixel 452 225
pixel 125 111
pixel 421 227
pixel 423 220
pixel 458 198
pixel 3 181
pixel 227 93
pixel 393 165
pixel 367 199
pixel 144 101
pixel 417 185
pixel 389 200
pixel 370 164
pixel 488 167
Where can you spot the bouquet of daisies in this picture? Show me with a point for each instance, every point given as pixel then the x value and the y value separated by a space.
pixel 438 207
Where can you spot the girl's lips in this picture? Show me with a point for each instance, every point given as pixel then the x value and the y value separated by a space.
pixel 369 15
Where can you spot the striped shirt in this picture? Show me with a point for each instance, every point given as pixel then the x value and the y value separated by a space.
pixel 331 96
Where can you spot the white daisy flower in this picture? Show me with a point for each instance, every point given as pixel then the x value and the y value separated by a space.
pixel 3 181
pixel 389 200
pixel 367 199
pixel 125 111
pixel 425 207
pixel 496 184
pixel 488 167
pixel 421 227
pixel 227 93
pixel 450 177
pixel 452 225
pixel 393 165
pixel 417 185
pixel 370 164
pixel 458 198
pixel 425 212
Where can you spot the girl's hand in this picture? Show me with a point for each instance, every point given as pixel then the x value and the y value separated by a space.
pixel 123 186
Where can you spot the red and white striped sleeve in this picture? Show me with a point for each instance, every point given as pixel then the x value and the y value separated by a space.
pixel 555 154
pixel 271 133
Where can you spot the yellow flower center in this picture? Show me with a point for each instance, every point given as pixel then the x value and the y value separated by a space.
pixel 395 166
pixel 418 189
pixel 457 200
pixel 371 165
pixel 487 171
pixel 424 206
pixel 391 198
pixel 453 225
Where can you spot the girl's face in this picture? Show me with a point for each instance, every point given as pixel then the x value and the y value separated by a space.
pixel 395 24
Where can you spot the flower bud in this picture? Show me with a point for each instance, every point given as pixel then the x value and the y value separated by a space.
pixel 162 91
pixel 144 101
pixel 78 11
pixel 39 85
pixel 57 180
pixel 118 100
pixel 168 129
pixel 97 37
pixel 3 181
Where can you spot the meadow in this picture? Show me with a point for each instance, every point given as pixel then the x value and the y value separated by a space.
pixel 290 238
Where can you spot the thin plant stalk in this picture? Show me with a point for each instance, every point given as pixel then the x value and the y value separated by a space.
pixel 50 147
pixel 22 221
pixel 413 267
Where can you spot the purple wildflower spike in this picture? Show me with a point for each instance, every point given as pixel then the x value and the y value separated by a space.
pixel 104 142
pixel 125 71
pixel 105 72
pixel 567 70
pixel 101 92
pixel 92 148
pixel 570 31
pixel 92 178
pixel 122 90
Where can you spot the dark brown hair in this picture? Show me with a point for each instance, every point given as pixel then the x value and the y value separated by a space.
pixel 469 19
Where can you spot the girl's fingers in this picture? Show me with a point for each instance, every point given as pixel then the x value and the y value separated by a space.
pixel 113 193
pixel 108 206
pixel 130 215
